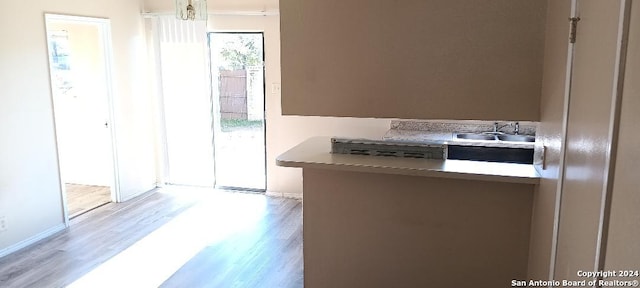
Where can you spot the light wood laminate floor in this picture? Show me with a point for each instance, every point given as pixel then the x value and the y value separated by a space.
pixel 175 237
pixel 83 198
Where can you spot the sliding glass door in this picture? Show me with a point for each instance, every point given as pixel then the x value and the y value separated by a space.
pixel 238 97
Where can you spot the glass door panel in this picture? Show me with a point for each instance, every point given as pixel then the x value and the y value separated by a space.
pixel 237 71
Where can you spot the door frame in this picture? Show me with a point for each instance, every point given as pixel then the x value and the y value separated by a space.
pixel 215 103
pixel 104 26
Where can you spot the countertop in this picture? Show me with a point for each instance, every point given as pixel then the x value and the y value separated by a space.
pixel 315 153
pixel 447 138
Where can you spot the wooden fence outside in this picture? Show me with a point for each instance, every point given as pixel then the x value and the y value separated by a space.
pixel 233 94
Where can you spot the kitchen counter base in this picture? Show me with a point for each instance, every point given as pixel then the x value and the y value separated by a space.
pixel 384 230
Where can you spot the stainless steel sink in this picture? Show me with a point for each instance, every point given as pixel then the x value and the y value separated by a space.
pixel 492 147
pixel 474 136
pixel 516 138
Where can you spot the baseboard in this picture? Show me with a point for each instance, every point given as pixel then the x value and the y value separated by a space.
pixel 297 196
pixel 136 195
pixel 32 240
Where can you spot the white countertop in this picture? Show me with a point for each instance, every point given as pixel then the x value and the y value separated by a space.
pixel 315 153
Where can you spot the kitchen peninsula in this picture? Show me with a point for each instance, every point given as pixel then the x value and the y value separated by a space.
pixel 373 221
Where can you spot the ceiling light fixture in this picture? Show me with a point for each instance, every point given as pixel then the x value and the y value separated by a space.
pixel 191 10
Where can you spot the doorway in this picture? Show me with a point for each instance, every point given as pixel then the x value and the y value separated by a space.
pixel 238 97
pixel 79 54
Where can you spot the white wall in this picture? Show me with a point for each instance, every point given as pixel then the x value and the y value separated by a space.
pixel 30 194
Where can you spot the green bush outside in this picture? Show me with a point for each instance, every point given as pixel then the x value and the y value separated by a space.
pixel 231 124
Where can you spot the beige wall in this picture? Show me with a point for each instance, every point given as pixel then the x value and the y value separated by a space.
pixel 623 251
pixel 442 59
pixel 383 230
pixel 30 194
pixel 549 136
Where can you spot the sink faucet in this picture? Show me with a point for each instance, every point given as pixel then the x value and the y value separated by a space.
pixel 497 127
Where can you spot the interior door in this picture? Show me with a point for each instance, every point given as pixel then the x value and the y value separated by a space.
pixel 79 67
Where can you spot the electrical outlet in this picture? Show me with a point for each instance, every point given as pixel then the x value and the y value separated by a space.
pixel 3 223
pixel 275 88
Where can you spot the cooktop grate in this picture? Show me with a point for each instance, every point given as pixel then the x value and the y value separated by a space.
pixel 388 148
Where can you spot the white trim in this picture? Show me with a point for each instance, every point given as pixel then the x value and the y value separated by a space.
pixel 614 123
pixel 32 240
pixel 163 158
pixel 563 149
pixel 212 104
pixel 129 197
pixel 141 195
pixel 105 29
pixel 289 195
pixel 63 191
pixel 104 26
pixel 270 12
pixel 75 19
pixel 236 31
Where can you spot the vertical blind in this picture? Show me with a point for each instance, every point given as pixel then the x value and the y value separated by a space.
pixel 172 30
pixel 186 90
